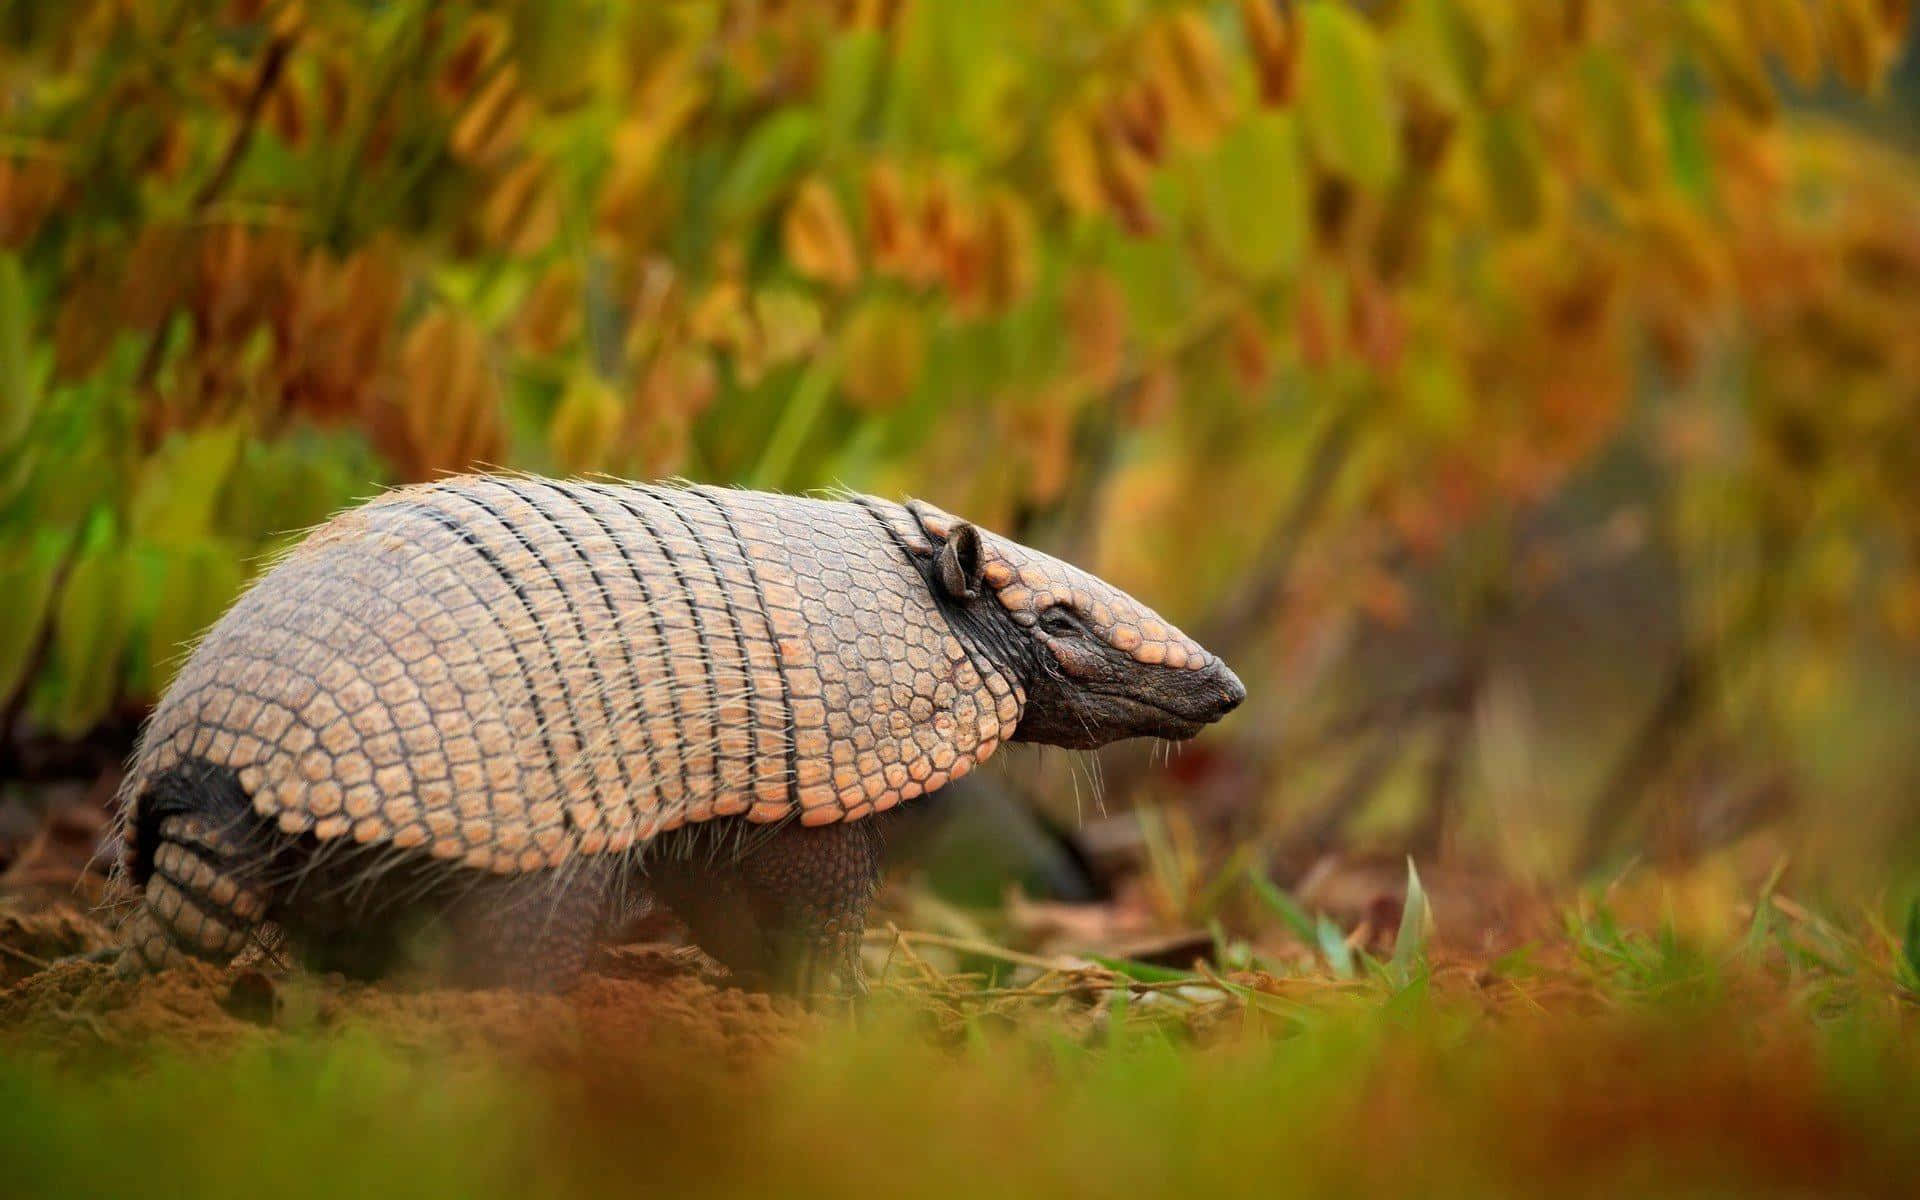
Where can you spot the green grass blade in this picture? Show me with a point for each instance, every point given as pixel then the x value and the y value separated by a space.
pixel 1411 941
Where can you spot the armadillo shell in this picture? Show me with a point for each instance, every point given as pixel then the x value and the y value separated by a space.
pixel 507 671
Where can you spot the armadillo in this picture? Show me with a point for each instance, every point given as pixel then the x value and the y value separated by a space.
pixel 505 709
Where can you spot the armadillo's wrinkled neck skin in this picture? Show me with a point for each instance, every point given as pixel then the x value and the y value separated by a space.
pixel 996 647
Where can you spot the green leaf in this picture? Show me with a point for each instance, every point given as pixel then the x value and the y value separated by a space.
pixel 26 580
pixel 19 397
pixel 1284 906
pixel 1254 195
pixel 1444 49
pixel 853 59
pixel 1348 102
pixel 1143 972
pixel 789 322
pixel 1910 946
pixel 1411 940
pixel 1512 164
pixel 89 635
pixel 1333 945
pixel 1157 276
pixel 178 486
pixel 1614 114
pixel 1119 1002
pixel 883 348
pixel 797 419
pixel 1687 153
pixel 775 152
pixel 195 585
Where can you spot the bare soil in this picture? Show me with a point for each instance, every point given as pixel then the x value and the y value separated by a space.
pixel 638 1002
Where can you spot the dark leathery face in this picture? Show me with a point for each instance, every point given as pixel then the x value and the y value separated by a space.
pixel 1096 664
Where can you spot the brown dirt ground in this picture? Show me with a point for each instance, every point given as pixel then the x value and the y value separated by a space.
pixel 638 1002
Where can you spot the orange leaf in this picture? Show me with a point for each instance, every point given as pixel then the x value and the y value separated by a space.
pixel 493 122
pixel 818 242
pixel 449 402
pixel 1096 313
pixel 550 317
pixel 522 212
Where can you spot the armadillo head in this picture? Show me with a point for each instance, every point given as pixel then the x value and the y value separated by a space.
pixel 1096 664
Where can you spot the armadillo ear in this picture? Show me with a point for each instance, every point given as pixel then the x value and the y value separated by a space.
pixel 958 565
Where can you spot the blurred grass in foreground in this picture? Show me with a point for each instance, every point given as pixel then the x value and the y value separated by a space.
pixel 1610 1063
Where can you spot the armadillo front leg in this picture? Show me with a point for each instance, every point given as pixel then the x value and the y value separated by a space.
pixel 789 909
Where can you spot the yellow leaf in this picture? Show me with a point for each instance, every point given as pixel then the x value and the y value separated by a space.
pixel 817 239
pixel 450 404
pixel 493 122
pixel 789 323
pixel 174 501
pixel 522 212
pixel 1730 58
pixel 1619 115
pixel 1511 160
pixel 1349 108
pixel 19 393
pixel 585 426
pixel 1900 606
pixel 720 317
pixel 550 317
pixel 638 144
pixel 1786 27
pixel 678 385
pixel 1856 41
pixel 1076 165
pixel 882 350
pixel 1006 249
pixel 1184 57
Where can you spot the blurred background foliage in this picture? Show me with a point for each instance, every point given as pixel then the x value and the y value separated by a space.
pixel 1521 393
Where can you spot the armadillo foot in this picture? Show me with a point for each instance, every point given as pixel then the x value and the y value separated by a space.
pixel 787 910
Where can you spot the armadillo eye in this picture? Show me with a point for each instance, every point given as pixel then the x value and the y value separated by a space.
pixel 1060 622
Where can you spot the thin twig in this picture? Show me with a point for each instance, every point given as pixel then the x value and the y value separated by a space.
pixel 968 946
pixel 31 960
pixel 273 61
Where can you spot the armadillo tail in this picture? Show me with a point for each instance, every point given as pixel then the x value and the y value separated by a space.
pixel 197 858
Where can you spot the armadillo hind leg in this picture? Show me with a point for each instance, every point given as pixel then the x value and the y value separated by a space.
pixel 528 932
pixel 202 896
pixel 788 908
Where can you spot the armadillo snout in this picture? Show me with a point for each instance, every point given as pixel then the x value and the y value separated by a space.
pixel 1232 691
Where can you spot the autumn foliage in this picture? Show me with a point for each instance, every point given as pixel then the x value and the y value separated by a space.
pixel 1327 325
